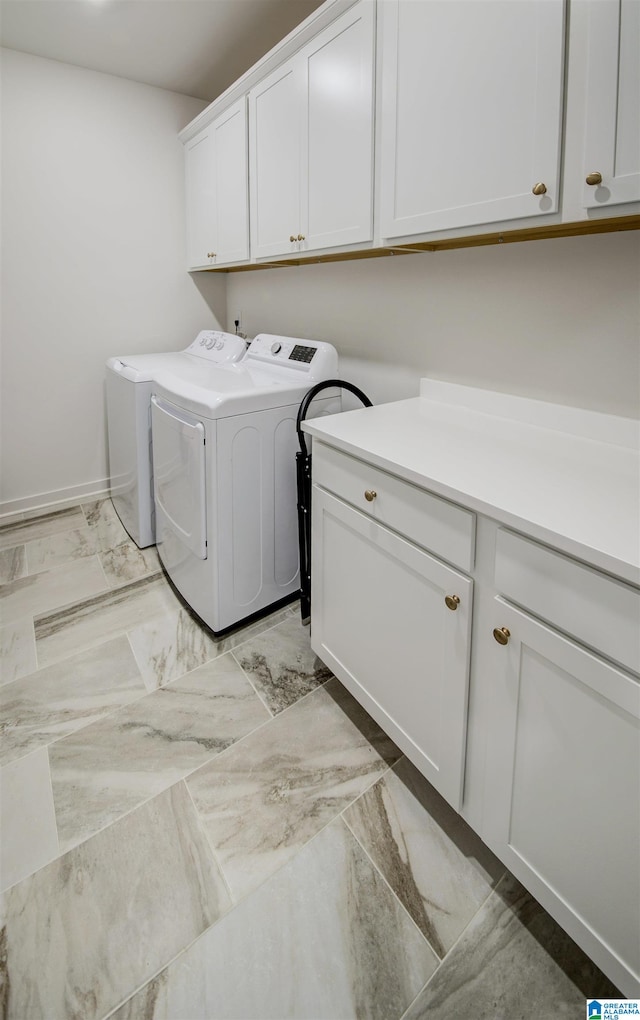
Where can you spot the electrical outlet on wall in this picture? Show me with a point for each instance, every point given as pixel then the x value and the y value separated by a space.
pixel 237 325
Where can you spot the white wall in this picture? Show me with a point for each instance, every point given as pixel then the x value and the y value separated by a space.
pixel 556 319
pixel 93 262
pixel 93 265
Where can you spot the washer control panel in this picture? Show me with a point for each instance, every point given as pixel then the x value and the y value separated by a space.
pixel 314 357
pixel 219 347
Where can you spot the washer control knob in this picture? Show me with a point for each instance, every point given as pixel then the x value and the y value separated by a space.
pixel 276 347
pixel 209 343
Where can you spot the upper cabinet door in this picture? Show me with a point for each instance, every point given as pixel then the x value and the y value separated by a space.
pixel 217 199
pixel 471 112
pixel 337 169
pixel 232 198
pixel 275 139
pixel 311 142
pixel 612 135
pixel 199 158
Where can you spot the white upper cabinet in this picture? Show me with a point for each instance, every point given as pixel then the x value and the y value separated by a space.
pixel 611 162
pixel 217 201
pixel 339 142
pixel 201 213
pixel 311 141
pixel 275 141
pixel 479 128
pixel 471 112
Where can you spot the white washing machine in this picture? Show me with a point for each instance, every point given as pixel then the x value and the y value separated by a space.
pixel 129 384
pixel 224 445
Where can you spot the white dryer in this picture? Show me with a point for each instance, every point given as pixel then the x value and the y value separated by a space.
pixel 224 444
pixel 129 384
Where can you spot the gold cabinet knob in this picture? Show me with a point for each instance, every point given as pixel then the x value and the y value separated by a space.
pixel 292 238
pixel 452 602
pixel 502 635
pixel 370 495
pixel 300 237
pixel 539 188
pixel 594 179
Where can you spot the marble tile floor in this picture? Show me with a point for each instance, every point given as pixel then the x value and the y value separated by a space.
pixel 212 828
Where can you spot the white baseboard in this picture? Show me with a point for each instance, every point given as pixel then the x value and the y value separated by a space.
pixel 59 499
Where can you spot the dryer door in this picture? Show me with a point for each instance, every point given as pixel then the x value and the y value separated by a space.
pixel 179 476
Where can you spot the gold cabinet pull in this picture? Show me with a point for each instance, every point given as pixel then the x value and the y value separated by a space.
pixel 539 188
pixel 370 495
pixel 452 602
pixel 300 237
pixel 292 238
pixel 594 179
pixel 502 635
pixel 211 254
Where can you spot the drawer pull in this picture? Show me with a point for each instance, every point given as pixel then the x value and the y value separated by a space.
pixel 452 602
pixel 370 495
pixel 502 635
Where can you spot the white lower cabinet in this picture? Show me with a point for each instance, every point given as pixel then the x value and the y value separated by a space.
pixel 549 716
pixel 381 623
pixel 562 807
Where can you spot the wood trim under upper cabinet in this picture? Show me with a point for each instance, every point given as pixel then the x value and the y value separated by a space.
pixel 600 226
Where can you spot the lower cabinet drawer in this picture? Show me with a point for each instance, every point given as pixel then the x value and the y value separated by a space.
pixel 598 610
pixel 431 522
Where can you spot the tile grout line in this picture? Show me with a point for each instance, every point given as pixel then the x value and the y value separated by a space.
pixel 253 686
pixel 235 903
pixel 206 764
pixel 134 701
pixel 25 541
pixel 213 852
pixel 83 726
pixel 53 804
pixel 202 765
pixel 390 888
pixel 329 822
pixel 182 779
pixel 492 892
pixel 27 616
pixel 197 938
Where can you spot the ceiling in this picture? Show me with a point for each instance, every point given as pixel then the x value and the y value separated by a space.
pixel 196 47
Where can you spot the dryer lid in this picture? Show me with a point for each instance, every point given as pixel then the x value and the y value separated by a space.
pixel 276 372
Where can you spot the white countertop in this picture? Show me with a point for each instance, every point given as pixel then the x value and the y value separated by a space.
pixel 567 477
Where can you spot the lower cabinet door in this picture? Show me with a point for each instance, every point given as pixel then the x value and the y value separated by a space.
pixel 563 771
pixel 380 622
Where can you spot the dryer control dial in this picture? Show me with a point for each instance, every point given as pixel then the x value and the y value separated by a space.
pixel 276 347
